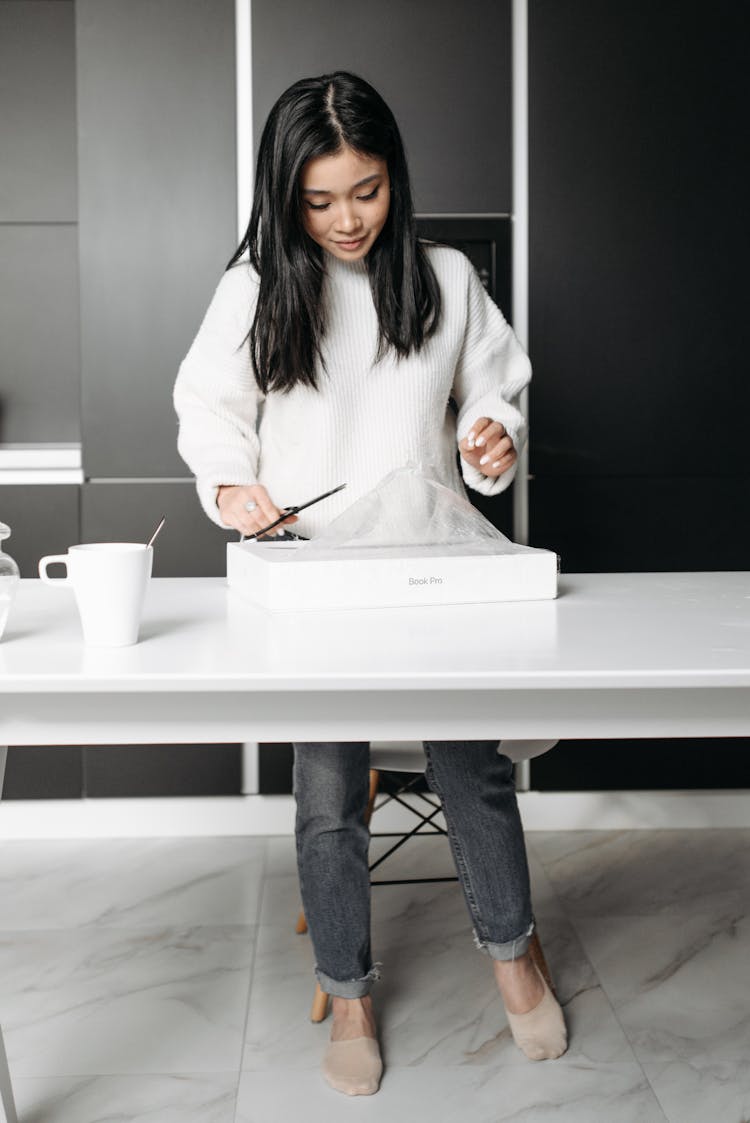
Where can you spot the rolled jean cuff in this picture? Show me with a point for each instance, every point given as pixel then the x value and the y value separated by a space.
pixel 348 988
pixel 512 949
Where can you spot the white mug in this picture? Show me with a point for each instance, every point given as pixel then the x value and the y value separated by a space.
pixel 109 581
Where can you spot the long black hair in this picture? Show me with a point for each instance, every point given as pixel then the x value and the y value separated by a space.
pixel 318 117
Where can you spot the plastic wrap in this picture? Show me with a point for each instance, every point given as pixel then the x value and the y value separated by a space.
pixel 408 513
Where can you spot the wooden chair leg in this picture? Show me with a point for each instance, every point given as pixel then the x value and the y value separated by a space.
pixel 374 781
pixel 320 1005
pixel 319 1008
pixel 537 955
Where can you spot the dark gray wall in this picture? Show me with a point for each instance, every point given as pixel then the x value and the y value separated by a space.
pixel 639 331
pixel 157 213
pixel 443 68
pixel 39 358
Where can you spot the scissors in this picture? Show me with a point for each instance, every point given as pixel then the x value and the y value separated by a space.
pixel 292 511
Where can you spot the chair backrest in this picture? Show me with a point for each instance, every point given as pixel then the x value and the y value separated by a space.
pixel 525 750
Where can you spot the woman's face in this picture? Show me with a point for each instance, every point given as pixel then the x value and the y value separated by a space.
pixel 345 201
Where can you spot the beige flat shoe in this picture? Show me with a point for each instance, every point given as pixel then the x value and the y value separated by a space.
pixel 540 1033
pixel 353 1067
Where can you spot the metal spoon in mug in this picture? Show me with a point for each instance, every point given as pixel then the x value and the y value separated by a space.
pixel 153 536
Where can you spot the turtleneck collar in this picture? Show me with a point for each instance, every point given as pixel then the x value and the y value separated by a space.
pixel 336 268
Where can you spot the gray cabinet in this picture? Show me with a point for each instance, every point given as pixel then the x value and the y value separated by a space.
pixel 37 123
pixel 39 359
pixel 157 213
pixel 43 520
pixel 189 545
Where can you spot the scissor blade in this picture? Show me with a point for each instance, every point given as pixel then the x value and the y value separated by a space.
pixel 293 511
pixel 318 498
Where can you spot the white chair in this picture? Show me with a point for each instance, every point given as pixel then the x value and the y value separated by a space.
pixel 407 757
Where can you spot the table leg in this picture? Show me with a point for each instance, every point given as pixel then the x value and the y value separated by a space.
pixel 522 775
pixel 7 1104
pixel 250 781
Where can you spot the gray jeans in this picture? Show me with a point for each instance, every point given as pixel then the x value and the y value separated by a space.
pixel 476 788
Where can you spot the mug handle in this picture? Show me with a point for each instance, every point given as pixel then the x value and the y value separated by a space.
pixel 56 582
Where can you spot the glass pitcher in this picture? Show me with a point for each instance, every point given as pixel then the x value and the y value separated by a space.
pixel 9 578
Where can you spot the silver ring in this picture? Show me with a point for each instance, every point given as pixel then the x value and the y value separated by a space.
pixel 250 505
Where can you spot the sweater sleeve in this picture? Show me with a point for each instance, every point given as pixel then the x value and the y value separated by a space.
pixel 216 396
pixel 491 372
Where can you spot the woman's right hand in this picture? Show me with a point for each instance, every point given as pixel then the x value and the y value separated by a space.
pixel 231 501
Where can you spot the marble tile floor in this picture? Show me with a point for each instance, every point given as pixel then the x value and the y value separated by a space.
pixel 162 982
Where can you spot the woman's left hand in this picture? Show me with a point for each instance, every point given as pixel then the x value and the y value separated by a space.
pixel 488 448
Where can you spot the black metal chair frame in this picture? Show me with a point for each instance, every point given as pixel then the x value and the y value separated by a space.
pixel 425 826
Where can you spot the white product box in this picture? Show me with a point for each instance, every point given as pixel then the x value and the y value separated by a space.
pixel 277 577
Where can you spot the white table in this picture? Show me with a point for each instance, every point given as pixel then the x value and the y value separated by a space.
pixel 617 655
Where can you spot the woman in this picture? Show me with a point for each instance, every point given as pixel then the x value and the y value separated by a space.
pixel 331 356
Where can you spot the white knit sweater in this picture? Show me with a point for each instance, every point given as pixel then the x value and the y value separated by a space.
pixel 367 418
